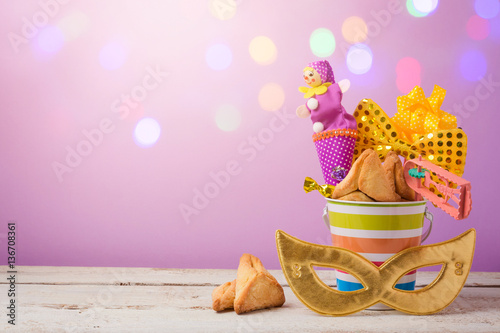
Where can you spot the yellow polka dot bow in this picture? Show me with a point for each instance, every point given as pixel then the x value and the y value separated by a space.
pixel 418 115
pixel 443 146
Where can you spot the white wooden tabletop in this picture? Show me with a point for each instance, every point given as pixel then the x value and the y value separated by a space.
pixel 82 299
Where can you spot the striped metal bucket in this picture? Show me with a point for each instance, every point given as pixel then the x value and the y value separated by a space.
pixel 377 231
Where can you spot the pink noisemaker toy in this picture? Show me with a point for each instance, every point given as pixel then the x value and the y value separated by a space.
pixel 451 187
pixel 335 129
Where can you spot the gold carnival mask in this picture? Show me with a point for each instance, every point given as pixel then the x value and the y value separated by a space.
pixel 298 257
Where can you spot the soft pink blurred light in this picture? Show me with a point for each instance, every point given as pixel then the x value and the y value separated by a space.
pixel 478 28
pixel 408 71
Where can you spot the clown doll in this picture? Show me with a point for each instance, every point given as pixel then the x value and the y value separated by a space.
pixel 334 128
pixel 324 97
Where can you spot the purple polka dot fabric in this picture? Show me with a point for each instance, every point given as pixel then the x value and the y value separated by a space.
pixel 335 152
pixel 324 69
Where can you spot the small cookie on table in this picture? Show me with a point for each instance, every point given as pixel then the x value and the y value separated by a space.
pixel 254 288
pixel 223 296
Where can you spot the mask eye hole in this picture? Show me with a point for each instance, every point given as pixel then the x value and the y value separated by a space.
pixel 337 279
pixel 407 282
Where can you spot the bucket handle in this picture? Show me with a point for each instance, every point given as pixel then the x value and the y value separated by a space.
pixel 427 214
pixel 326 219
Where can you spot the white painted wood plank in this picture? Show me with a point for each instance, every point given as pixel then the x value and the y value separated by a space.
pixel 110 308
pixel 200 277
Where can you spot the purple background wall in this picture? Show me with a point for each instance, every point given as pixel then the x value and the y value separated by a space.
pixel 221 102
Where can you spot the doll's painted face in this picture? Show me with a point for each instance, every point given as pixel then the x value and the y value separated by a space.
pixel 312 78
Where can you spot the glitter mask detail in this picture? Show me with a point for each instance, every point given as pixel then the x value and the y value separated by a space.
pixel 298 257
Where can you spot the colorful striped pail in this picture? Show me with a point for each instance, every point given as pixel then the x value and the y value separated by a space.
pixel 377 231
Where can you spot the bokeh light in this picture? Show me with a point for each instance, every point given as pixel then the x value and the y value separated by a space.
pixel 425 6
pixel 271 97
pixel 494 29
pixel 73 25
pixel 146 132
pixel 113 56
pixel 50 40
pixel 228 117
pixel 412 10
pixel 359 59
pixel 223 9
pixel 487 8
pixel 262 50
pixel 219 57
pixel 478 28
pixel 344 85
pixel 473 65
pixel 322 42
pixel 408 72
pixel 354 29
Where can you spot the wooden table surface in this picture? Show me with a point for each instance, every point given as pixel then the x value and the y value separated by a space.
pixel 83 299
